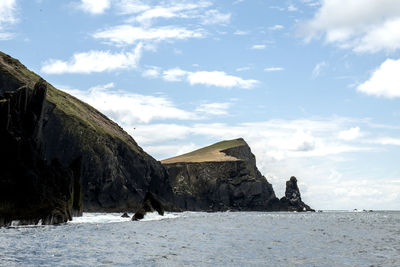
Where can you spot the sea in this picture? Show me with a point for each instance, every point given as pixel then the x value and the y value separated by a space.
pixel 335 238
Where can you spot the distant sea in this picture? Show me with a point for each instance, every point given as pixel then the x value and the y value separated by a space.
pixel 209 239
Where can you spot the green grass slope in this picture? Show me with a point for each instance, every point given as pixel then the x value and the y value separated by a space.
pixel 209 153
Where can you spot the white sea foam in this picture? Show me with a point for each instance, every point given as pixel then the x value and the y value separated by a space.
pixel 154 216
pixel 93 217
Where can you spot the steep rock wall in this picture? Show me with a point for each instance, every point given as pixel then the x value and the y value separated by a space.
pixel 31 188
pixel 223 185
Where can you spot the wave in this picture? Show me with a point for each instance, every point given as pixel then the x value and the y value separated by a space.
pixel 94 217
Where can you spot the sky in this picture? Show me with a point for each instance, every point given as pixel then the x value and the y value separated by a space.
pixel 313 86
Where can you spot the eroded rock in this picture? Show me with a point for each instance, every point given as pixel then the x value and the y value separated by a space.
pixel 150 204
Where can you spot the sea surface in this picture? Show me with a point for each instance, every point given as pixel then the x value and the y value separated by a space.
pixel 209 239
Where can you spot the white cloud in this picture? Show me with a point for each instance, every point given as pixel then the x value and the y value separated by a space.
pixel 292 8
pixel 276 27
pixel 131 6
pixel 209 78
pixel 8 12
pixel 350 134
pixel 214 108
pixel 388 141
pixel 127 34
pixel 179 148
pixel 94 6
pixel 174 10
pixel 271 69
pixel 8 17
pixel 363 25
pixel 174 75
pixel 239 32
pixel 237 2
pixel 215 17
pixel 219 79
pixel 318 68
pixel 384 82
pixel 258 47
pixel 152 72
pixel 243 69
pixel 312 3
pixel 130 109
pixel 146 14
pixel 6 36
pixel 150 134
pixel 94 61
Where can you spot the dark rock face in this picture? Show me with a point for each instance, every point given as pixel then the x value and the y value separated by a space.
pixel 150 204
pixel 125 215
pixel 115 175
pixel 292 199
pixel 224 185
pixel 31 188
pixel 62 149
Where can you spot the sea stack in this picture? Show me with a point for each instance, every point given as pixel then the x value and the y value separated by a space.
pixel 292 199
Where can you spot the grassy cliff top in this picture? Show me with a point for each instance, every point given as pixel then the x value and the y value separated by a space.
pixel 70 107
pixel 209 153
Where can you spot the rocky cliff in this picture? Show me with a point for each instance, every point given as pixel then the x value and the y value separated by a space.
pixel 93 163
pixel 223 176
pixel 60 156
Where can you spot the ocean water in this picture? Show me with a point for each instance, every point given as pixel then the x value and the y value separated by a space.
pixel 209 239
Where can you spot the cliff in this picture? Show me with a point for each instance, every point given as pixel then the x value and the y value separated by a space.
pixel 60 156
pixel 223 176
pixel 44 129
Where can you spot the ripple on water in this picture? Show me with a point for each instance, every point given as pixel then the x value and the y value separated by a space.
pixel 189 238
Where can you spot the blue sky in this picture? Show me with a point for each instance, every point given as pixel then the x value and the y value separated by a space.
pixel 313 86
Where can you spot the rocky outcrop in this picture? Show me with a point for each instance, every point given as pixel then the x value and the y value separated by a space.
pixel 150 204
pixel 234 184
pixel 103 166
pixel 292 199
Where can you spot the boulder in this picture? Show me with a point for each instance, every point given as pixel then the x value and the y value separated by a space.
pixel 150 204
